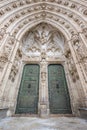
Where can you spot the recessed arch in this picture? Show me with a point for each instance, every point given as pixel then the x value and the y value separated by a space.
pixel 45 50
pixel 49 14
pixel 35 23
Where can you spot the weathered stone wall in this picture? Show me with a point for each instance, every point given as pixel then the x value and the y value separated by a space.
pixel 20 16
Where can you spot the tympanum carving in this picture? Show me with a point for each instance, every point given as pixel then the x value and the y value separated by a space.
pixel 44 41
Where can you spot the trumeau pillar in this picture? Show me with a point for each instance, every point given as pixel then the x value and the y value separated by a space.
pixel 43 96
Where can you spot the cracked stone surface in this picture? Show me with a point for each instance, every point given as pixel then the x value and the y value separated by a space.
pixel 33 123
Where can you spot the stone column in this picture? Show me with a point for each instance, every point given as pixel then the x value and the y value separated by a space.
pixel 78 51
pixel 6 73
pixel 44 102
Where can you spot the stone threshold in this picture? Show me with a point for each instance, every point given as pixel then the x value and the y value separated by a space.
pixel 37 115
pixel 83 112
pixel 62 115
pixel 25 115
pixel 84 109
pixel 4 108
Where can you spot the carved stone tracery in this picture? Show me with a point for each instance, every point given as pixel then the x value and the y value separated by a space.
pixel 81 53
pixel 15 67
pixel 44 6
pixel 2 33
pixel 43 41
pixel 3 60
pixel 71 65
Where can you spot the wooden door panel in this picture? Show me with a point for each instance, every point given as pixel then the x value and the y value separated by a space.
pixel 28 95
pixel 59 100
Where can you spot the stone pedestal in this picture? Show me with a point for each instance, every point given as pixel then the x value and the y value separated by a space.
pixel 83 112
pixel 44 113
pixel 3 112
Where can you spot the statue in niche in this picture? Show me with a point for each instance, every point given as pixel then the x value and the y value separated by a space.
pixel 79 47
pixel 43 76
pixel 43 38
pixel 81 53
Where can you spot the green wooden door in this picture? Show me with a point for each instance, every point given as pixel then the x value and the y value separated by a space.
pixel 59 101
pixel 27 101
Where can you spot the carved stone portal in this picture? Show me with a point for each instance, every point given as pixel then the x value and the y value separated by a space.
pixel 42 45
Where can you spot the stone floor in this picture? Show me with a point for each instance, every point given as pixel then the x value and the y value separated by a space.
pixel 32 123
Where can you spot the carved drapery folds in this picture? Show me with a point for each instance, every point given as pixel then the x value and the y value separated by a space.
pixel 15 66
pixel 43 66
pixel 81 54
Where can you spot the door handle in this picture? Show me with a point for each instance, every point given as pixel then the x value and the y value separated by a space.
pixel 29 86
pixel 57 87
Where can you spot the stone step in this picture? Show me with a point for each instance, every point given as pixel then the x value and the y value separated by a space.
pixel 25 115
pixel 83 112
pixel 62 115
pixel 36 115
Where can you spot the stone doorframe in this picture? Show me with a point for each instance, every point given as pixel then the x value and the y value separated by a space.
pixel 43 104
pixel 74 50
